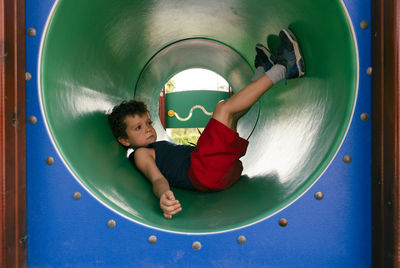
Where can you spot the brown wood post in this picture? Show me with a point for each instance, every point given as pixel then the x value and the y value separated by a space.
pixel 161 108
pixel 12 131
pixel 386 123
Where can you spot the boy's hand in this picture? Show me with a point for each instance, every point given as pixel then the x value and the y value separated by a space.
pixel 169 205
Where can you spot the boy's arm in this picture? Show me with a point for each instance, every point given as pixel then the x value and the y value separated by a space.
pixel 145 161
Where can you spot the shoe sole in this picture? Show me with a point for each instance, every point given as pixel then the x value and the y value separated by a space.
pixel 297 52
pixel 266 52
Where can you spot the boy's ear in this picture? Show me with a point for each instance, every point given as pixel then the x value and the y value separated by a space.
pixel 124 142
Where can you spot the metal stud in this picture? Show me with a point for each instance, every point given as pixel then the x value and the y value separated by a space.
pixel 152 239
pixel 77 195
pixel 23 239
pixel 31 31
pixel 369 70
pixel 283 222
pixel 196 245
pixel 364 24
pixel 347 159
pixel 111 224
pixel 364 117
pixel 319 195
pixel 28 76
pixel 32 120
pixel 241 239
pixel 50 160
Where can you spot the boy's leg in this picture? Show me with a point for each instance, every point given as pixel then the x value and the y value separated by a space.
pixel 289 64
pixel 229 111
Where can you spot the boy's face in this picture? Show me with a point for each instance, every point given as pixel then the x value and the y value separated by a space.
pixel 139 130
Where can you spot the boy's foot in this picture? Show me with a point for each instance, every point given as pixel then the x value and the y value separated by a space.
pixel 264 57
pixel 289 55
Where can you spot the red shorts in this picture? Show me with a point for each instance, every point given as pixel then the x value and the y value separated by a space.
pixel 215 163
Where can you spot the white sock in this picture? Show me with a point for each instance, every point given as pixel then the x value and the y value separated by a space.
pixel 259 72
pixel 276 73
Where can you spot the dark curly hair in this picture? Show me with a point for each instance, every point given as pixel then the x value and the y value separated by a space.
pixel 119 112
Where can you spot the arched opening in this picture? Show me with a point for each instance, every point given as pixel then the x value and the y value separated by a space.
pixel 187 101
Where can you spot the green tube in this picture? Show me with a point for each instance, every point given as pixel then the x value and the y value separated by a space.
pixel 97 53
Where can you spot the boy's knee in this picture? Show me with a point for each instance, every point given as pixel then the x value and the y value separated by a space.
pixel 221 108
pixel 222 113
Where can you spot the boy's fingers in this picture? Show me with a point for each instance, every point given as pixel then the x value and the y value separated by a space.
pixel 169 203
pixel 168 215
pixel 170 208
pixel 175 211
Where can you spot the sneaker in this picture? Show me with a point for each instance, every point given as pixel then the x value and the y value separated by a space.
pixel 289 55
pixel 264 57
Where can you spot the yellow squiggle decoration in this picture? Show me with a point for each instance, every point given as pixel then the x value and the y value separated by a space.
pixel 172 113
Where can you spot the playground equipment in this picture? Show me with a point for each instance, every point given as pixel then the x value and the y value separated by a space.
pixel 89 64
pixel 296 128
pixel 305 177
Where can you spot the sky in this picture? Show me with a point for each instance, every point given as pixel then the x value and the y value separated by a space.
pixel 197 79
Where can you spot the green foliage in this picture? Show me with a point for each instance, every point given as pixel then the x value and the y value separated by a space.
pixel 188 136
pixel 223 88
pixel 170 86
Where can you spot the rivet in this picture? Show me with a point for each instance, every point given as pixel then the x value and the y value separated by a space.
pixel 32 120
pixel 50 160
pixel 77 195
pixel 196 245
pixel 152 239
pixel 111 224
pixel 241 239
pixel 23 239
pixel 364 24
pixel 369 70
pixel 347 159
pixel 28 76
pixel 283 222
pixel 31 31
pixel 319 195
pixel 14 119
pixel 364 117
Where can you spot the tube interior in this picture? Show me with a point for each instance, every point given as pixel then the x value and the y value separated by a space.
pixel 97 53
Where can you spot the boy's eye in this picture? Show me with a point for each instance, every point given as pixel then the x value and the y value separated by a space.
pixel 138 127
pixel 150 123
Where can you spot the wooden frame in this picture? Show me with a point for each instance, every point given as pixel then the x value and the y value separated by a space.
pixel 386 147
pixel 12 130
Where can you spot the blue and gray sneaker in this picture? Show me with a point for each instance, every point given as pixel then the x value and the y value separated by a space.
pixel 289 55
pixel 264 57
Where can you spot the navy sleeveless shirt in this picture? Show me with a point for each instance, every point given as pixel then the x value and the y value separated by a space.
pixel 173 160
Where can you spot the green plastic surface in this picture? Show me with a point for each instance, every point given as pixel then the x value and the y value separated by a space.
pixel 97 53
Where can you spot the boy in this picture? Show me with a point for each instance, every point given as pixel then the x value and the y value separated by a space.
pixel 213 164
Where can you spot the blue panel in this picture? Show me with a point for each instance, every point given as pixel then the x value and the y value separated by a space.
pixel 332 232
